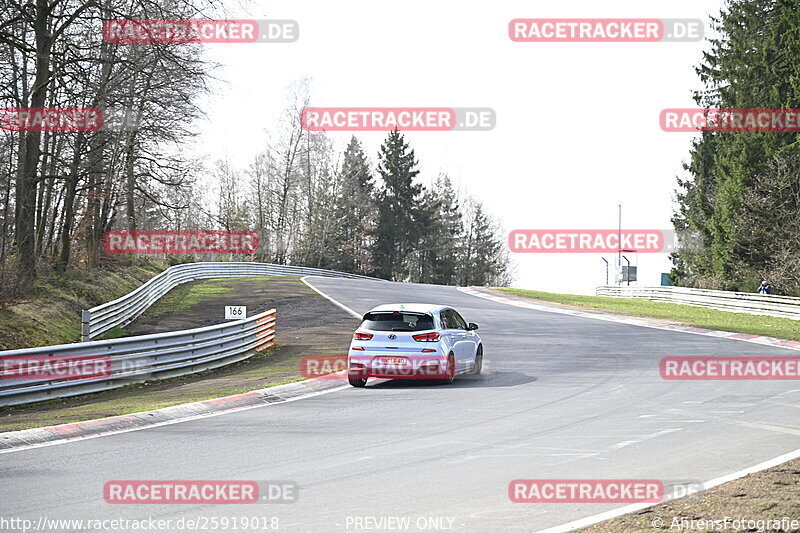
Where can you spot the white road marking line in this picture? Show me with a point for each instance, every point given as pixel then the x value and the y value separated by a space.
pixel 766 427
pixel 168 422
pixel 525 455
pixel 644 438
pixel 786 404
pixel 608 515
pixel 304 279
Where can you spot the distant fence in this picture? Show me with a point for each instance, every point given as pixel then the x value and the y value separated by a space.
pixel 122 311
pixel 36 374
pixel 737 302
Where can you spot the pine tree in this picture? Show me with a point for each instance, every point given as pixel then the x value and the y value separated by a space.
pixel 755 63
pixel 355 213
pixel 440 244
pixel 398 203
pixel 484 261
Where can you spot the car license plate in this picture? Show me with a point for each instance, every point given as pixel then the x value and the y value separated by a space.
pixel 392 360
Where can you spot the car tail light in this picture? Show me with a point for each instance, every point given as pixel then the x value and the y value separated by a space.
pixel 362 336
pixel 428 350
pixel 427 337
pixel 358 348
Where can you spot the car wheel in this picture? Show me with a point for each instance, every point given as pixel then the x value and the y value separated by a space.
pixel 476 370
pixel 357 382
pixel 450 375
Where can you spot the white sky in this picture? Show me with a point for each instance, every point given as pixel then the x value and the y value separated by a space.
pixel 577 123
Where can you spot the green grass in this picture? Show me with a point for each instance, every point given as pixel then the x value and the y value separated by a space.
pixel 51 312
pixel 782 328
pixel 185 296
pixel 115 333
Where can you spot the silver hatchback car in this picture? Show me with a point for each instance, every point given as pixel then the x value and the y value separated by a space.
pixel 414 341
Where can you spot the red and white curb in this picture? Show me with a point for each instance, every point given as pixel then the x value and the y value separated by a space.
pixel 643 322
pixel 14 441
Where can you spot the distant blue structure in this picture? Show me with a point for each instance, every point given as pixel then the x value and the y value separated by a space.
pixel 665 280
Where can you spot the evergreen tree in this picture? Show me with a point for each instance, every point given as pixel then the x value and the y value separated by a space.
pixel 484 261
pixel 354 213
pixel 767 228
pixel 440 243
pixel 755 63
pixel 318 239
pixel 398 202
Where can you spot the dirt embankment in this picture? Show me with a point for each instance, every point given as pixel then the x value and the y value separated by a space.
pixel 767 501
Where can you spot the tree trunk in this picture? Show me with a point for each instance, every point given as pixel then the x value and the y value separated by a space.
pixel 70 188
pixel 26 189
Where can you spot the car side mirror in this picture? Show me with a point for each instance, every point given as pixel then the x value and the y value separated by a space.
pixel 471 326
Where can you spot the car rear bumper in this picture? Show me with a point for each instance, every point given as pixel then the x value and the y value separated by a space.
pixel 415 367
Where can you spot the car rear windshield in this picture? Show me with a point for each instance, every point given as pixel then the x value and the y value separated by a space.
pixel 397 321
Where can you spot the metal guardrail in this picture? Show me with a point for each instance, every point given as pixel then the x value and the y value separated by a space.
pixel 122 311
pixel 737 302
pixel 130 360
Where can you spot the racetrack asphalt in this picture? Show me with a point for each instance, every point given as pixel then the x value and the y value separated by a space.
pixel 561 397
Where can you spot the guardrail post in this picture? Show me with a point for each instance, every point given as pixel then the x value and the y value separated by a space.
pixel 86 317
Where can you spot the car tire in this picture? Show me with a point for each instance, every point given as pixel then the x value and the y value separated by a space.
pixel 357 382
pixel 476 370
pixel 451 370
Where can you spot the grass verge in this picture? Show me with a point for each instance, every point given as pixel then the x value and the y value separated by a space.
pixel 782 328
pixel 187 295
pixel 51 314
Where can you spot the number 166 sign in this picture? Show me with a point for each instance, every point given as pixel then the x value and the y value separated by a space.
pixel 235 312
